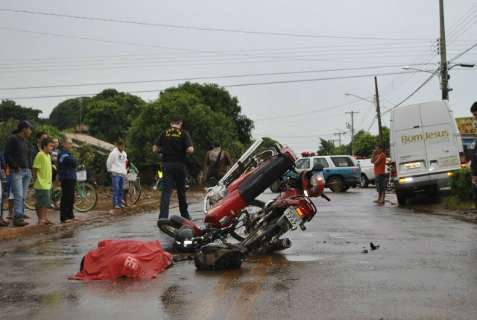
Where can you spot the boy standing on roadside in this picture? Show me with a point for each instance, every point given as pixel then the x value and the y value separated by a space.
pixel 116 165
pixel 42 173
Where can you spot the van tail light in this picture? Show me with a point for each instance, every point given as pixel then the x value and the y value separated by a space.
pixel 393 169
pixel 463 160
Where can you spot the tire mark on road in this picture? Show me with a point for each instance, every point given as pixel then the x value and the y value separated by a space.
pixel 242 306
pixel 213 306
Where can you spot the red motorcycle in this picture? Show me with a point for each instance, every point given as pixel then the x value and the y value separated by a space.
pixel 261 231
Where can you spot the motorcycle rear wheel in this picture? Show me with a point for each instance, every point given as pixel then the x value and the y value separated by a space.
pixel 168 227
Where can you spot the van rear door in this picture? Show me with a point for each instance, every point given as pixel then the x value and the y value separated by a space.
pixel 410 149
pixel 440 135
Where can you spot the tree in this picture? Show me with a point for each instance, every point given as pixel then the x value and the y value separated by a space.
pixel 205 126
pixel 326 147
pixel 6 129
pixel 108 115
pixel 107 121
pixel 10 110
pixel 67 114
pixel 219 100
pixel 364 144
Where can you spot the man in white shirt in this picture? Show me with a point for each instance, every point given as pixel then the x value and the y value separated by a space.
pixel 116 165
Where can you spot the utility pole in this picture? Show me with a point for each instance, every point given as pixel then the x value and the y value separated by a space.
pixel 80 113
pixel 378 113
pixel 351 127
pixel 339 134
pixel 443 52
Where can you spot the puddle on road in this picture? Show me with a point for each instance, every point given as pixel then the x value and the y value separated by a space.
pixel 301 257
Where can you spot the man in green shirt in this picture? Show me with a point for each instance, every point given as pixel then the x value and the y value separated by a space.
pixel 42 173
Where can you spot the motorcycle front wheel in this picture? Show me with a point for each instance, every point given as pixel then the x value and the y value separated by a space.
pixel 241 230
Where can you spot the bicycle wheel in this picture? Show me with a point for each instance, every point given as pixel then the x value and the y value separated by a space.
pixel 86 197
pixel 30 198
pixel 135 191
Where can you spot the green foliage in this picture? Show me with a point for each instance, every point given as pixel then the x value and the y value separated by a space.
pixel 108 115
pixel 67 114
pixel 461 184
pixel 6 129
pixel 10 110
pixel 205 126
pixel 328 147
pixel 53 132
pixel 95 163
pixel 364 144
pixel 219 100
pixel 107 121
pixel 455 203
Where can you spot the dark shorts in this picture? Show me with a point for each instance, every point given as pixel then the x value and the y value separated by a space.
pixel 380 183
pixel 42 199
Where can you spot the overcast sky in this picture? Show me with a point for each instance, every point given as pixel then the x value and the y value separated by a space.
pixel 313 35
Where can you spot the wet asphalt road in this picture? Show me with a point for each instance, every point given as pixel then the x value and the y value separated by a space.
pixel 425 268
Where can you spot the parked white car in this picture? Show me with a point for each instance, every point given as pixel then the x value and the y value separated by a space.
pixel 426 148
pixel 367 171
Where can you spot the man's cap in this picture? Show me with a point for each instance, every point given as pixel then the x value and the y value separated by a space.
pixel 24 124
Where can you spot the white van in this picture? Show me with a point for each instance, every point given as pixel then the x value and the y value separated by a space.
pixel 426 148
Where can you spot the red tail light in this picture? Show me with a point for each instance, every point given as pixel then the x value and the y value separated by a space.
pixel 463 160
pixel 393 169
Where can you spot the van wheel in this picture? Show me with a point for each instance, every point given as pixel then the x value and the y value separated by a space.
pixel 401 198
pixel 364 181
pixel 336 184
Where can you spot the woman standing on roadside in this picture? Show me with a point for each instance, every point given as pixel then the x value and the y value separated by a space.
pixel 67 175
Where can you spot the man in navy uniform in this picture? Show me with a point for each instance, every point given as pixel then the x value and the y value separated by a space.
pixel 174 144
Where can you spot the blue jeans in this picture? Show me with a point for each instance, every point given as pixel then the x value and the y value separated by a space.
pixel 20 182
pixel 117 190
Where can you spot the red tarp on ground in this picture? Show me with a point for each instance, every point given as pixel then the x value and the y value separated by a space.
pixel 124 258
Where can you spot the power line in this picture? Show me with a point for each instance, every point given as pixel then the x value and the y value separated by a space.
pixel 200 28
pixel 128 43
pixel 293 115
pixel 428 79
pixel 234 85
pixel 199 78
pixel 354 47
pixel 371 53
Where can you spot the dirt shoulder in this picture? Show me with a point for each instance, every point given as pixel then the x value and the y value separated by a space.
pixel 103 213
pixel 441 209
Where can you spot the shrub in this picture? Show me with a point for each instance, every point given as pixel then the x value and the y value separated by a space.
pixel 95 163
pixel 461 184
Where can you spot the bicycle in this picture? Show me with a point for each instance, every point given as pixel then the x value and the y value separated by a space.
pixel 86 196
pixel 134 182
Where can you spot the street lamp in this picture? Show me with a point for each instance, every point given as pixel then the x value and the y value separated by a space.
pixel 462 65
pixel 433 72
pixel 358 97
